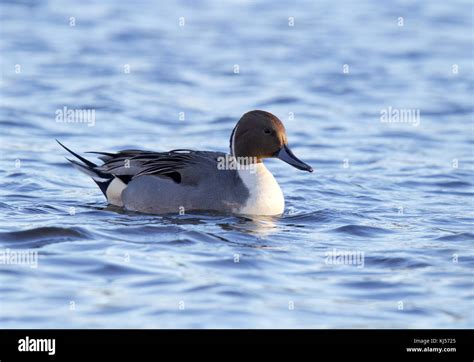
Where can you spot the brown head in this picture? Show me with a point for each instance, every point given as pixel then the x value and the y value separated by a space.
pixel 260 134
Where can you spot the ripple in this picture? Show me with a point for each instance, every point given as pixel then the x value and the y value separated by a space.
pixel 115 270
pixel 362 230
pixel 457 237
pixel 310 217
pixel 38 237
pixel 395 262
pixel 453 184
pixel 278 100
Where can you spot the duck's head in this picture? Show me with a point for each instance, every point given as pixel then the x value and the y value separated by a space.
pixel 259 135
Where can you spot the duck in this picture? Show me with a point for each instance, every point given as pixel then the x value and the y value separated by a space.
pixel 183 180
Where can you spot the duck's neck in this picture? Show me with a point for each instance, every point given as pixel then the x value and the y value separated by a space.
pixel 265 195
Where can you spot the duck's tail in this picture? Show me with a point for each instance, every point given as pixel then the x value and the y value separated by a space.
pixel 103 180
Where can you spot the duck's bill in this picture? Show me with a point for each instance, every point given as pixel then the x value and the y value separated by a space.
pixel 287 156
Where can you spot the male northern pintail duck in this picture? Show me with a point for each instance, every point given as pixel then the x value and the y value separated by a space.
pixel 184 180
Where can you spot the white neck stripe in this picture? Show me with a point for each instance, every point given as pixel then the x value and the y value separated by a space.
pixel 232 141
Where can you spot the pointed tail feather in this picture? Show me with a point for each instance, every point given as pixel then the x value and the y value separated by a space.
pixel 102 179
pixel 86 161
pixel 96 176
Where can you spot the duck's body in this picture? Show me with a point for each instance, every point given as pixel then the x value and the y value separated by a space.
pixel 184 180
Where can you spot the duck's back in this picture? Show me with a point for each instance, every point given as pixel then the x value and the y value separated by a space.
pixel 196 185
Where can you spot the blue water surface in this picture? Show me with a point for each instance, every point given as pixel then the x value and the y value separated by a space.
pixel 176 74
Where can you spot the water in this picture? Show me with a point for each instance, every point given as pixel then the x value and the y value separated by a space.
pixel 398 194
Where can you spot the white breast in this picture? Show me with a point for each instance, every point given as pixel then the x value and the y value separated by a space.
pixel 266 197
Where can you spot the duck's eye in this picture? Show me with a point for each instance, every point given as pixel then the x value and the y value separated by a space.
pixel 267 130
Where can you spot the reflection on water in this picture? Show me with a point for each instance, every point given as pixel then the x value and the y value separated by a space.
pixel 258 226
pixel 398 193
